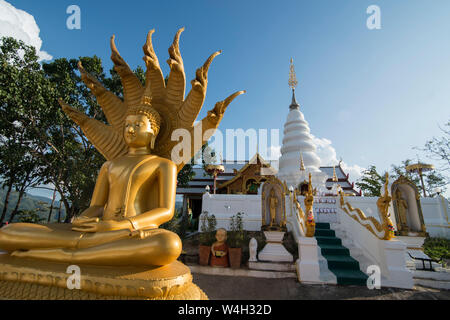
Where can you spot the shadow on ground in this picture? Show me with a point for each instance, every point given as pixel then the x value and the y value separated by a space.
pixel 241 288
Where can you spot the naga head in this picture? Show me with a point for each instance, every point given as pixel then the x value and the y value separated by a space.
pixel 150 112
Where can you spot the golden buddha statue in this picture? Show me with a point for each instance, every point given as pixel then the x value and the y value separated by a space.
pixel 402 207
pixel 273 205
pixel 135 190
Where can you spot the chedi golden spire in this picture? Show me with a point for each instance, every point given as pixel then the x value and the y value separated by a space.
pixel 302 163
pixel 293 83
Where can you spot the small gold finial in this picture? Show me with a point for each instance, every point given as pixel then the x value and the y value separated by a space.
pixel 292 76
pixel 146 100
pixel 335 179
pixel 302 163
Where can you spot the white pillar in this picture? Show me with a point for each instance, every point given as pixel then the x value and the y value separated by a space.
pixel 308 263
pixel 398 275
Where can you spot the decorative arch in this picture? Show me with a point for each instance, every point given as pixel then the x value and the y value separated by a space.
pixel 257 180
pixel 407 208
pixel 280 191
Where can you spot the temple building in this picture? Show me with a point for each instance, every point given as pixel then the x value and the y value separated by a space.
pixel 244 177
pixel 339 233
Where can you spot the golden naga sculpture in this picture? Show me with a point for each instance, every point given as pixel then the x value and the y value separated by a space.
pixel 309 202
pixel 307 221
pixel 383 205
pixel 136 187
pixel 300 213
pixel 385 229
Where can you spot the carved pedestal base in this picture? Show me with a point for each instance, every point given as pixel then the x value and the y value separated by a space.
pixel 274 250
pixel 28 279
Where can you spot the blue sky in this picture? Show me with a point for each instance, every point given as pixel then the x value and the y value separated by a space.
pixel 375 94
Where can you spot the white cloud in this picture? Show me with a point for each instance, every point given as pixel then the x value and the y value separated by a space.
pixel 21 25
pixel 274 153
pixel 328 157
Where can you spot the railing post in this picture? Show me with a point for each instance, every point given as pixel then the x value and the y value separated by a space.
pixel 308 270
pixel 398 275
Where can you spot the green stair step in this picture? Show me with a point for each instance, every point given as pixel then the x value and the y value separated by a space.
pixel 328 240
pixel 345 262
pixel 331 249
pixel 322 225
pixel 346 277
pixel 325 233
pixel 338 257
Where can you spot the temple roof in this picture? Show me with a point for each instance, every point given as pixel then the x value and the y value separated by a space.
pixel 255 160
pixel 200 180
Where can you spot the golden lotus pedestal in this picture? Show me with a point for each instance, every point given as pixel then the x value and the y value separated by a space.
pixel 26 279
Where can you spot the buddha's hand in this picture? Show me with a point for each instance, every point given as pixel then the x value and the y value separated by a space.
pixel 80 221
pixel 93 225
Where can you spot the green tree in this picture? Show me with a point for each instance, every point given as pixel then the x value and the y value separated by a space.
pixel 22 83
pixel 30 216
pixel 371 182
pixel 185 175
pixel 432 179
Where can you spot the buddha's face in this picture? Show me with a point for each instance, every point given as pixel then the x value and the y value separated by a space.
pixel 138 131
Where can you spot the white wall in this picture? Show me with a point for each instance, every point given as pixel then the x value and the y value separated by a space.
pixel 435 211
pixel 435 214
pixel 225 206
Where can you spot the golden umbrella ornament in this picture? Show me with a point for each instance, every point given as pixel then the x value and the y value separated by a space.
pixel 215 170
pixel 420 168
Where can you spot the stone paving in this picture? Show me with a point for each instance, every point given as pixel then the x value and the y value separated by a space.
pixel 243 288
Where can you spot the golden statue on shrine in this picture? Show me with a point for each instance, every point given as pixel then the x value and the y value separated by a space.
pixel 273 205
pixel 136 188
pixel 402 208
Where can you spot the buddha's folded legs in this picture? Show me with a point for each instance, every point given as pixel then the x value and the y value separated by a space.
pixel 27 236
pixel 154 248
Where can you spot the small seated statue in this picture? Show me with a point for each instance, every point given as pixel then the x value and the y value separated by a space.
pixel 219 250
pixel 136 188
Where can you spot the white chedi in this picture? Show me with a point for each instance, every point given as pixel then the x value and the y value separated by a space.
pixel 298 143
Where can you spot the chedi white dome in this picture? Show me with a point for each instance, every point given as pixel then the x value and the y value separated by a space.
pixel 298 143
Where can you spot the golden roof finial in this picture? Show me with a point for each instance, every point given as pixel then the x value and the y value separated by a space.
pixel 292 76
pixel 302 163
pixel 335 179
